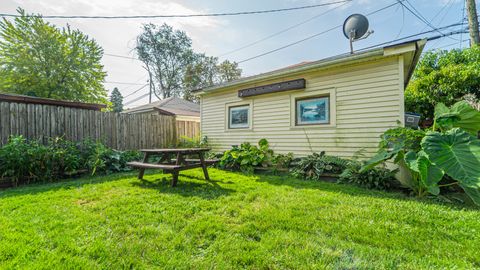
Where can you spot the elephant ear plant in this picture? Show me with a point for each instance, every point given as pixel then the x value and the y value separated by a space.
pixel 450 148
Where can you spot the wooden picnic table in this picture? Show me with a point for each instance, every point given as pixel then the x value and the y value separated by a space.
pixel 173 160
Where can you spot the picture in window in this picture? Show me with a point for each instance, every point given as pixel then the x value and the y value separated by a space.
pixel 239 117
pixel 313 111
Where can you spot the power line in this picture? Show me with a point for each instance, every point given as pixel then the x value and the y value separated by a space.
pixel 144 77
pixel 403 22
pixel 448 45
pixel 179 15
pixel 449 5
pixel 136 99
pixel 419 15
pixel 448 34
pixel 418 34
pixel 136 91
pixel 312 36
pixel 284 30
pixel 121 56
pixel 289 45
pixel 126 83
pixel 446 11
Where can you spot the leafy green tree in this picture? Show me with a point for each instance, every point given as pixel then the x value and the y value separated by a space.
pixel 444 77
pixel 166 53
pixel 228 71
pixel 206 71
pixel 116 99
pixel 174 68
pixel 39 59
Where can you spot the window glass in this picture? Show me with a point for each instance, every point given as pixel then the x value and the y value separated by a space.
pixel 239 117
pixel 312 111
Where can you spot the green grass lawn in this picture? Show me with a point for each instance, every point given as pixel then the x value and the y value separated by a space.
pixel 233 221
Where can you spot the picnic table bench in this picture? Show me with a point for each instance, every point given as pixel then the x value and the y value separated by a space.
pixel 173 160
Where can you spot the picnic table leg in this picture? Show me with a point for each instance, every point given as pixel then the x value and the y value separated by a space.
pixel 142 170
pixel 204 165
pixel 163 158
pixel 174 178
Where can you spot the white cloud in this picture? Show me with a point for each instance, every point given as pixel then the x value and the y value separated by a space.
pixel 118 36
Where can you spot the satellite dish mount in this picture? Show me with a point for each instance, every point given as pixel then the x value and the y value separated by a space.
pixel 355 28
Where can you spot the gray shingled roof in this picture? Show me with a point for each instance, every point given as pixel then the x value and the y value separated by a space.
pixel 172 105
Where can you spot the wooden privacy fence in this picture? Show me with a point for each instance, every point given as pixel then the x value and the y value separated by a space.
pixel 188 129
pixel 118 131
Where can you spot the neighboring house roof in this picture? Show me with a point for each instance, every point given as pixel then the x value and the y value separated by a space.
pixel 48 101
pixel 169 106
pixel 411 50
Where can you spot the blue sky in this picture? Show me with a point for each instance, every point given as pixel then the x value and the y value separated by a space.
pixel 218 35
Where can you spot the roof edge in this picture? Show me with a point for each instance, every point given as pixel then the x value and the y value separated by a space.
pixel 330 61
pixel 48 101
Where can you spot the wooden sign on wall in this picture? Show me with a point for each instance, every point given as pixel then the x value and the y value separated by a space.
pixel 272 88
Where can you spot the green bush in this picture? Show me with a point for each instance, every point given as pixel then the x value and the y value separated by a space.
pixel 375 178
pixel 16 160
pixel 314 166
pixel 196 142
pixel 247 157
pixel 411 138
pixel 64 156
pixel 23 161
pixel 283 161
pixel 98 158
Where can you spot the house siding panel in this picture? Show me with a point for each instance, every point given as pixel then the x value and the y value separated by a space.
pixel 369 99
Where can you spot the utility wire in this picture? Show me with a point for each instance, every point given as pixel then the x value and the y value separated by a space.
pixel 447 6
pixel 419 16
pixel 312 36
pixel 180 15
pixel 289 45
pixel 126 83
pixel 136 99
pixel 451 44
pixel 284 30
pixel 121 56
pixel 144 77
pixel 136 91
pixel 439 12
pixel 422 33
pixel 446 11
pixel 403 22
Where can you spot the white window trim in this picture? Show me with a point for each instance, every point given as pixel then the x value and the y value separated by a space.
pixel 330 92
pixel 248 103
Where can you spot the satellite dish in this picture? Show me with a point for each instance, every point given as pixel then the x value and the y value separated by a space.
pixel 355 28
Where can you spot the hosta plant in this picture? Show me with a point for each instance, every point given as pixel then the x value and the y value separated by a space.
pixel 247 156
pixel 314 166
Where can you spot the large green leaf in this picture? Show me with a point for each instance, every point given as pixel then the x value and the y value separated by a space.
pixel 441 110
pixel 461 115
pixel 469 117
pixel 430 174
pixel 473 193
pixel 457 153
pixel 382 156
pixel 411 161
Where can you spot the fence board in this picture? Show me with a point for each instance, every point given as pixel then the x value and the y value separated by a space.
pixel 188 129
pixel 119 131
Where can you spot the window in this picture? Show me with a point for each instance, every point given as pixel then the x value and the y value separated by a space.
pixel 239 117
pixel 312 111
